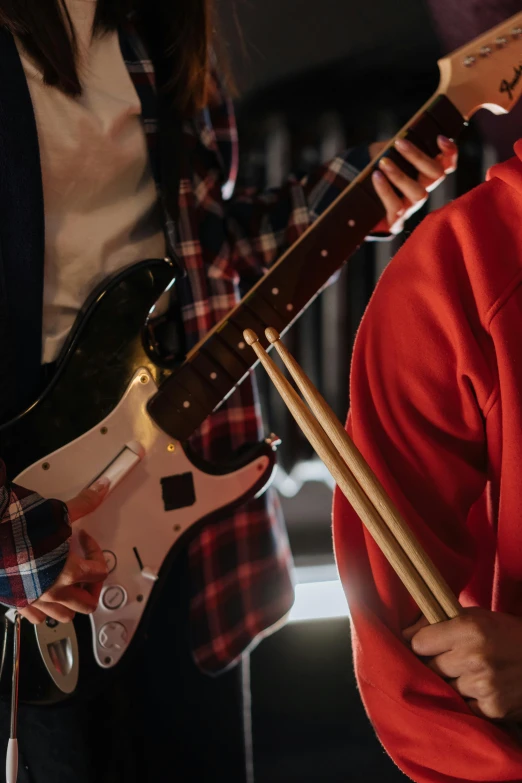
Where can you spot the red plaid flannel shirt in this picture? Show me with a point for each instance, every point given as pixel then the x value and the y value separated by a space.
pixel 241 568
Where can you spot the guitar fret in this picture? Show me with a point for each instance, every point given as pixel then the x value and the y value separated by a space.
pixel 401 163
pixel 447 117
pixel 424 135
pixel 366 186
pixel 203 388
pixel 244 318
pixel 226 357
pixel 177 403
pixel 189 406
pixel 233 337
pixel 214 372
pixel 266 313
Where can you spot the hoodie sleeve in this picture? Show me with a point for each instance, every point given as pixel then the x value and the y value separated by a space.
pixel 421 391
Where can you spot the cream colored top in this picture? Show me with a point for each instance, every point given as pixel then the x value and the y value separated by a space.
pixel 101 206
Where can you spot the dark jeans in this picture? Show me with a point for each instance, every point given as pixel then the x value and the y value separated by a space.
pixel 160 719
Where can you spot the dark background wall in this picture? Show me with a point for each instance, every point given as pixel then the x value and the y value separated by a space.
pixel 283 38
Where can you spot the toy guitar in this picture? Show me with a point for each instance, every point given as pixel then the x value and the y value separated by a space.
pixel 112 410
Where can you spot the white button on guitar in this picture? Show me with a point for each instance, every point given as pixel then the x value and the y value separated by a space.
pixel 113 636
pixel 113 597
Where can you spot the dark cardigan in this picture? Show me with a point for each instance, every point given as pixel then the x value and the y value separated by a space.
pixel 21 236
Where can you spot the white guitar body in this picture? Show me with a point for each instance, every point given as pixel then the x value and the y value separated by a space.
pixel 156 495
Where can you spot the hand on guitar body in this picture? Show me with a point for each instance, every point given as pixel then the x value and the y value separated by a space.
pixel 432 171
pixel 79 585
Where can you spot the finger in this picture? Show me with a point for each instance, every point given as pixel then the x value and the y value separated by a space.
pixel 58 612
pixel 391 201
pixel 471 687
pixel 88 500
pixel 94 590
pixel 376 148
pixel 410 632
pixel 91 549
pixel 434 640
pixel 474 707
pixel 76 599
pixel 449 666
pixel 32 614
pixel 412 189
pixel 450 153
pixel 431 168
pixel 77 570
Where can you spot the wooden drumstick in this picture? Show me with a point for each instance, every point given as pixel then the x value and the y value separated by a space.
pixel 384 538
pixel 368 481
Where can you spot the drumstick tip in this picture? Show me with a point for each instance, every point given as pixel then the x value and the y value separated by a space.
pixel 250 337
pixel 272 335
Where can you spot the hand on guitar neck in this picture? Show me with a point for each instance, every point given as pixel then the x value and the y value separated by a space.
pixel 431 172
pixel 78 587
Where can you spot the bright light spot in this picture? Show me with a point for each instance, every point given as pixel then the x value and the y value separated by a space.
pixel 318 601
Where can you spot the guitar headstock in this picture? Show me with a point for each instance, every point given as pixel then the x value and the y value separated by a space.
pixel 487 72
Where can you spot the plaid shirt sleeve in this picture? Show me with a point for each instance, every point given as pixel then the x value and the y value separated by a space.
pixel 33 542
pixel 262 225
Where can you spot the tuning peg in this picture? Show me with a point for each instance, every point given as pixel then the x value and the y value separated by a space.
pixel 516 32
pixel 469 61
pixel 485 51
pixel 501 41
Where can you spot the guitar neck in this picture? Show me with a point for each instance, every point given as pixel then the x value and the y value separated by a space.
pixel 221 361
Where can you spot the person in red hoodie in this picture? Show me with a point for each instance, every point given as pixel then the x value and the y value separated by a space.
pixel 436 409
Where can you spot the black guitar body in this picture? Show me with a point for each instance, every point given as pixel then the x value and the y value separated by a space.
pixel 110 344
pixel 105 348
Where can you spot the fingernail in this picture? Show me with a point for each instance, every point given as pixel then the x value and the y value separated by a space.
pixel 102 483
pixel 378 177
pixel 444 140
pixel 402 144
pixel 385 163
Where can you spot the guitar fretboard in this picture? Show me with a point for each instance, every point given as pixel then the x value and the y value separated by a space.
pixel 218 364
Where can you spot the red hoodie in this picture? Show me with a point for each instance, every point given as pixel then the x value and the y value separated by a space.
pixel 436 409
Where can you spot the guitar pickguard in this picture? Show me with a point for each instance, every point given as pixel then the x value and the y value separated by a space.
pixel 158 495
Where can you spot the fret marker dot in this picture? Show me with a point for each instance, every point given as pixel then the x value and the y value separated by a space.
pixel 186 404
pixel 241 345
pixel 324 253
pixel 351 223
pixel 289 307
pixel 213 375
pixel 275 291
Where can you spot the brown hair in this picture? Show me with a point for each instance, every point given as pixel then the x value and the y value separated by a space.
pixel 180 35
